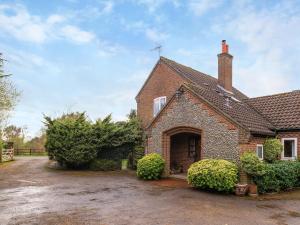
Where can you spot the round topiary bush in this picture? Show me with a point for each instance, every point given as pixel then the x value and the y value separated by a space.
pixel 251 164
pixel 213 174
pixel 272 149
pixel 150 167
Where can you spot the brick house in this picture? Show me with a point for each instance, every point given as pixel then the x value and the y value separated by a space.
pixel 188 115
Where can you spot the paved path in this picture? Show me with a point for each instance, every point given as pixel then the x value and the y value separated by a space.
pixel 31 193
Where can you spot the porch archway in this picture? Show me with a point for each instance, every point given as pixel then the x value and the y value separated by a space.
pixel 179 136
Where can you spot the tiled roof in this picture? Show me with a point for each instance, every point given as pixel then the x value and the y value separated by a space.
pixel 282 110
pixel 239 111
pixel 197 77
pixel 233 105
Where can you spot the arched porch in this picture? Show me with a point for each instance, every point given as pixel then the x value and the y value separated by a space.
pixel 181 148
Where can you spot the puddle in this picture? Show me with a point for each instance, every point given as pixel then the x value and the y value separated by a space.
pixel 267 206
pixel 288 195
pixel 294 214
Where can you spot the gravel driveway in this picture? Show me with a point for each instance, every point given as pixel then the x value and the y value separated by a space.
pixel 31 193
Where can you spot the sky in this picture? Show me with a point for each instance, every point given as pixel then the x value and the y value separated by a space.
pixel 94 55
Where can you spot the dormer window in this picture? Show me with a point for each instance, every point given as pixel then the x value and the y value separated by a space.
pixel 158 104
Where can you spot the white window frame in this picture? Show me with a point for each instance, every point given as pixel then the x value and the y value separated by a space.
pixel 160 106
pixel 296 148
pixel 262 146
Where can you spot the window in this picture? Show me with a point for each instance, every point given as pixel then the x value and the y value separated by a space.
pixel 260 151
pixel 289 148
pixel 158 104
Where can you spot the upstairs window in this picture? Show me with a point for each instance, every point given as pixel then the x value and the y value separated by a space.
pixel 158 104
pixel 260 151
pixel 289 148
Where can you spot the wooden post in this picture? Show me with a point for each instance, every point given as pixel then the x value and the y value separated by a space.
pixel 30 151
pixel 0 155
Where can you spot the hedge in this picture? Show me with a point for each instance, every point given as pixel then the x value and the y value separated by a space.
pixel 213 174
pixel 69 140
pixel 135 156
pixel 104 165
pixel 75 141
pixel 279 176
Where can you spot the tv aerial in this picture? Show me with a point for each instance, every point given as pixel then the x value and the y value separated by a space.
pixel 158 48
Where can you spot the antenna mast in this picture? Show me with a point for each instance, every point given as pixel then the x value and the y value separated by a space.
pixel 158 48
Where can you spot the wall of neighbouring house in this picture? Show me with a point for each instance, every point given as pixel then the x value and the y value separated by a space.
pixel 162 82
pixel 219 137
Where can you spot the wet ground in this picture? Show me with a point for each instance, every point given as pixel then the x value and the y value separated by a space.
pixel 32 193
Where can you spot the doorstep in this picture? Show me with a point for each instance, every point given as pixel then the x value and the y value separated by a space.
pixel 182 176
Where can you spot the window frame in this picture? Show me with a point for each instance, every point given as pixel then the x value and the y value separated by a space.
pixel 160 106
pixel 260 145
pixel 295 148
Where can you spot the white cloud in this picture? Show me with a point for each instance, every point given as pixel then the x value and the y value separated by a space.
pixel 108 7
pixel 26 62
pixel 20 24
pixel 77 35
pixel 200 7
pixel 151 33
pixel 93 11
pixel 16 21
pixel 153 5
pixel 106 49
pixel 270 41
pixel 154 35
pixel 54 19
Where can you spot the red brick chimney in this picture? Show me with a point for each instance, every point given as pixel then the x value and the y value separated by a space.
pixel 225 68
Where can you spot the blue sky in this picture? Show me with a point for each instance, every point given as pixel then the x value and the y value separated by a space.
pixel 93 56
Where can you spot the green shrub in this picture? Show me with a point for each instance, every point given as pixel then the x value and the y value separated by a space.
pixel 115 140
pixel 272 149
pixel 104 165
pixel 213 174
pixel 279 176
pixel 251 164
pixel 73 141
pixel 150 167
pixel 69 140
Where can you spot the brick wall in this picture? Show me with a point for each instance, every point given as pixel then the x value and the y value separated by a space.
pixel 179 151
pixel 251 144
pixel 162 82
pixel 254 141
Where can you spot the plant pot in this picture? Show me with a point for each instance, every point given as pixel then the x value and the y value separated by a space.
pixel 241 189
pixel 253 190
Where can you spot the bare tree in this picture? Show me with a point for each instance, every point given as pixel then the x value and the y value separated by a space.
pixel 8 93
